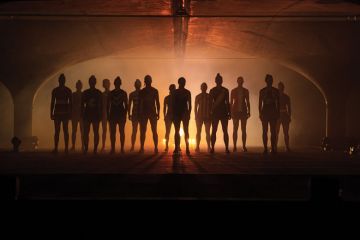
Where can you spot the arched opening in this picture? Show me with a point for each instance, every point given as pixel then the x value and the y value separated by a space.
pixel 7 117
pixel 309 106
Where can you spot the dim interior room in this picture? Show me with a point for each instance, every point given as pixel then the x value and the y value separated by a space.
pixel 308 104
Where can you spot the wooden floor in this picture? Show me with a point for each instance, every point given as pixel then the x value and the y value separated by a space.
pixel 300 176
pixel 301 162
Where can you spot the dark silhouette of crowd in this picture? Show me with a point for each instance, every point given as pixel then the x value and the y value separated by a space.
pixel 87 109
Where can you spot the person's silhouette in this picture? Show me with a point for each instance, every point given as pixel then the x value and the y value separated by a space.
pixel 269 112
pixel 240 111
pixel 220 112
pixel 91 105
pixel 76 119
pixel 181 106
pixel 168 114
pixel 203 106
pixel 285 116
pixel 60 111
pixel 150 111
pixel 117 110
pixel 104 121
pixel 134 114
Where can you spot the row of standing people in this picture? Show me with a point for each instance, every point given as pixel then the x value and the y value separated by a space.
pixel 92 107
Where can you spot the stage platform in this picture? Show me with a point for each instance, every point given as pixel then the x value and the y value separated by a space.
pixel 303 175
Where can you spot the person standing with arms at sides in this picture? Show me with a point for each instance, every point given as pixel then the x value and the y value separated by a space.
pixel 285 116
pixel 76 115
pixel 149 111
pixel 168 114
pixel 203 106
pixel 134 115
pixel 60 111
pixel 181 106
pixel 117 110
pixel 220 112
pixel 269 112
pixel 240 111
pixel 104 121
pixel 92 113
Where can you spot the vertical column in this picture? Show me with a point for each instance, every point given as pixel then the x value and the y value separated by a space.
pixel 336 114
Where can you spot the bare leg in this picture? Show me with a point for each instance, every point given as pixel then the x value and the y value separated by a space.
pixel 224 124
pixel 273 135
pixel 235 132
pixel 104 131
pixel 153 123
pixel 122 134
pixel 86 135
pixel 143 127
pixel 66 134
pixel 199 124
pixel 278 125
pixel 167 133
pixel 265 127
pixel 75 123
pixel 177 124
pixel 215 124
pixel 244 135
pixel 96 126
pixel 112 135
pixel 57 124
pixel 82 133
pixel 286 126
pixel 134 133
pixel 207 132
pixel 187 135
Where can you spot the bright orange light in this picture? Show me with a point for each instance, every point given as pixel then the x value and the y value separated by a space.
pixel 181 132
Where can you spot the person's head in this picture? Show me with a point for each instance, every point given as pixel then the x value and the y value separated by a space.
pixel 137 84
pixel 106 84
pixel 172 88
pixel 148 80
pixel 269 80
pixel 92 81
pixel 62 80
pixel 240 81
pixel 117 82
pixel 204 87
pixel 79 85
pixel 218 79
pixel 281 87
pixel 182 82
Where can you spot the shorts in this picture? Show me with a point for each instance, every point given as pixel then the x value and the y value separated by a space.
pixel 239 115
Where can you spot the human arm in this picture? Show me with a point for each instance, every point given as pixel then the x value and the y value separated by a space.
pixel 157 105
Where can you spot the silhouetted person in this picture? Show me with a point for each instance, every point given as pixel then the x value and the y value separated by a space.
pixel 149 111
pixel 181 111
pixel 134 114
pixel 269 112
pixel 104 121
pixel 168 114
pixel 117 110
pixel 240 111
pixel 92 113
pixel 285 115
pixel 220 112
pixel 76 118
pixel 60 111
pixel 203 107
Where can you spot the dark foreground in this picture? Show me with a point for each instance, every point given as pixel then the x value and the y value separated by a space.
pixel 303 176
